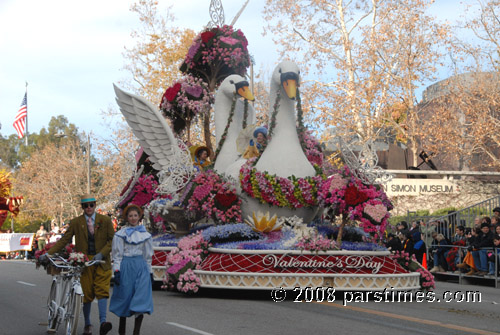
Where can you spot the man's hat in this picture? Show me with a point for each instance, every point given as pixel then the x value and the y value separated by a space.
pixel 87 198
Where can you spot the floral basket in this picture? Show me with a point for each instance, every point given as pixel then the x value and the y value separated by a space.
pixel 184 101
pixel 215 197
pixel 217 53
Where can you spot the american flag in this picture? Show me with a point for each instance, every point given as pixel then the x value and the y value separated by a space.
pixel 20 121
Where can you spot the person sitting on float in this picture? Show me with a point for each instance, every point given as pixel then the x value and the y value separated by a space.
pixel 201 160
pixel 256 147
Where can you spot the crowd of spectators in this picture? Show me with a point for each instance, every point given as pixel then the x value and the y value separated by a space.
pixel 471 250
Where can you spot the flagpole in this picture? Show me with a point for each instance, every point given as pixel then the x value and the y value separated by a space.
pixel 26 140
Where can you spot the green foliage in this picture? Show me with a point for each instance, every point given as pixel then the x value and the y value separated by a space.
pixel 13 151
pixel 25 225
pixel 444 211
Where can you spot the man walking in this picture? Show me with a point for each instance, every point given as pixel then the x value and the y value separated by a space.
pixel 41 236
pixel 93 236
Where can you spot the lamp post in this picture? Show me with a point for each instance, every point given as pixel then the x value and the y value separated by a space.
pixel 88 158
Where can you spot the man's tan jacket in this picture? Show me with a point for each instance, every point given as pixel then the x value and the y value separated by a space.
pixel 103 234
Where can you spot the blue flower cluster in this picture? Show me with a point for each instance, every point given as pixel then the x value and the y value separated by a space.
pixel 241 236
pixel 362 246
pixel 240 231
pixel 165 240
pixel 271 241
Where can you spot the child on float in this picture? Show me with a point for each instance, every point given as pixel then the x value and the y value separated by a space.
pixel 132 252
pixel 257 144
pixel 201 157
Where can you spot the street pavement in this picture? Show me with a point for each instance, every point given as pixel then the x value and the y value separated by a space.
pixel 24 290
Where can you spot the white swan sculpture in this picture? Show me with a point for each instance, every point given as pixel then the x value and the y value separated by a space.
pixel 233 84
pixel 283 155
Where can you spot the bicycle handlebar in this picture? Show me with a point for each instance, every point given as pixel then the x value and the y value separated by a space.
pixel 66 265
pixel 92 262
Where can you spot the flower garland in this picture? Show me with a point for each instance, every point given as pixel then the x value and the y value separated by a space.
pixel 245 114
pixel 226 129
pixel 184 101
pixel 309 144
pixel 288 192
pixel 215 197
pixel 348 195
pixel 216 53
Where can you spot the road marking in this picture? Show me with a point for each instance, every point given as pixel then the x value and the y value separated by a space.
pixel 194 330
pixel 412 319
pixel 25 283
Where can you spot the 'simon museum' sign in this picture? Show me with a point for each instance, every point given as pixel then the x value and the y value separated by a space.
pixel 400 186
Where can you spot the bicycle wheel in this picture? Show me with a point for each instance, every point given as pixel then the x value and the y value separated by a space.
pixel 73 312
pixel 52 317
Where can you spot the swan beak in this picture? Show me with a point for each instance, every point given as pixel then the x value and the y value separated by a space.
pixel 290 87
pixel 245 92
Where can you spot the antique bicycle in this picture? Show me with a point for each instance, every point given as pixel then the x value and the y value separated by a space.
pixel 66 295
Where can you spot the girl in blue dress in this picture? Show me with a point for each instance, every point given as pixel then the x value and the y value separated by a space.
pixel 132 252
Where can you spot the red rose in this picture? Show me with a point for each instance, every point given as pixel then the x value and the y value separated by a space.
pixel 207 36
pixel 226 200
pixel 353 196
pixel 171 92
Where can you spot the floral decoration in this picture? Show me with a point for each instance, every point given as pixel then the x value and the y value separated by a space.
pixel 288 192
pixel 263 223
pixel 144 190
pixel 180 262
pixel 229 233
pixel 217 53
pixel 410 263
pixel 349 196
pixel 215 197
pixel 309 144
pixel 184 101
pixel 311 147
pixel 77 259
pixel 315 243
pixel 65 253
pixel 229 121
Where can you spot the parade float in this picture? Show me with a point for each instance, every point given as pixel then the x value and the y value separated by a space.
pixel 282 218
pixel 8 204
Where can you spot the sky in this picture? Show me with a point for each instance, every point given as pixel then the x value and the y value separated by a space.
pixel 71 52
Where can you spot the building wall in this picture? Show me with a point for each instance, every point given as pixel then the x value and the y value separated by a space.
pixel 466 193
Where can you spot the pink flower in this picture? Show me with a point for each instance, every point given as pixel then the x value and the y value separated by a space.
pixel 376 212
pixel 229 40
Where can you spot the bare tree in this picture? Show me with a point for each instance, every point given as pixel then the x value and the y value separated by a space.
pixel 466 114
pixel 360 58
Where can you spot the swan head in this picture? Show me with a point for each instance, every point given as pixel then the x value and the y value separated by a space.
pixel 287 75
pixel 236 84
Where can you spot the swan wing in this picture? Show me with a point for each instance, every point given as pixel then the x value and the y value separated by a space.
pixel 156 138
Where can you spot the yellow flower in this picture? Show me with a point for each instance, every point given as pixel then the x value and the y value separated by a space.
pixel 262 223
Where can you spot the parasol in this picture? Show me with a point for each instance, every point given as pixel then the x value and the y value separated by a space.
pixel 244 137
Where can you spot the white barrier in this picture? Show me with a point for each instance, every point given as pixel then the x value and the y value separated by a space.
pixel 16 241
